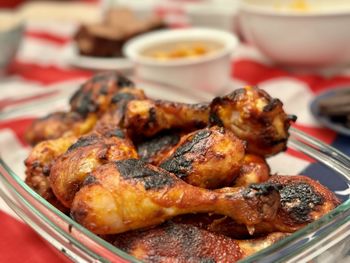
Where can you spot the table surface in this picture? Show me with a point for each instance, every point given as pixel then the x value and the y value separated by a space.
pixel 39 64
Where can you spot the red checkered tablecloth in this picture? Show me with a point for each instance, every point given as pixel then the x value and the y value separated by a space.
pixel 40 63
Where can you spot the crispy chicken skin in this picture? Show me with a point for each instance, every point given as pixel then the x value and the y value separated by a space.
pixel 155 149
pixel 87 105
pixel 255 117
pixel 250 113
pixel 52 126
pixel 114 117
pixel 131 194
pixel 38 165
pixel 44 154
pixel 253 170
pixel 208 158
pixel 97 94
pixel 86 154
pixel 173 242
pixel 146 118
pixel 303 201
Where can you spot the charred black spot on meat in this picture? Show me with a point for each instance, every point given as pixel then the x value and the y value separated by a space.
pixel 139 170
pixel 102 77
pixel 152 116
pixel 79 214
pixel 178 164
pixel 46 170
pixel 299 200
pixel 292 117
pixel 75 95
pixel 122 96
pixel 90 179
pixel 116 133
pixel 83 141
pixel 160 142
pixel 104 89
pixel 260 189
pixel 272 104
pixel 83 103
pixel 124 82
pixel 214 119
pixel 207 260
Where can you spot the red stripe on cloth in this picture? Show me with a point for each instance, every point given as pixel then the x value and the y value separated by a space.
pixel 18 126
pixel 20 244
pixel 323 134
pixel 60 40
pixel 46 74
pixel 254 73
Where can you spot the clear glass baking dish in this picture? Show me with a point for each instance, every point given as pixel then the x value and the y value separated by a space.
pixel 326 240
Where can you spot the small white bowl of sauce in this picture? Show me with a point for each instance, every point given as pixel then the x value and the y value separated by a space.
pixel 196 58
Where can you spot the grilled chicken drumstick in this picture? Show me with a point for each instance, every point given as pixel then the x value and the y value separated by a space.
pixel 250 113
pixel 173 242
pixel 146 118
pixel 303 201
pixel 131 194
pixel 88 103
pixel 208 158
pixel 44 154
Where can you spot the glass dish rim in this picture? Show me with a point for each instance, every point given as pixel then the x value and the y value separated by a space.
pixel 331 218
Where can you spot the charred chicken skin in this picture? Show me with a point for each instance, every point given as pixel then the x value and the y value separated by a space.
pixel 52 126
pixel 156 148
pixel 44 154
pixel 131 194
pixel 84 156
pixel 97 94
pixel 174 242
pixel 90 101
pixel 303 201
pixel 38 166
pixel 208 158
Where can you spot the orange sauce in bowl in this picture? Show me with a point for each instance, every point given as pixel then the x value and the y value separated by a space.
pixel 181 50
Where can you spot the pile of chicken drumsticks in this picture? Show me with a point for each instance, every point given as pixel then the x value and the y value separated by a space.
pixel 168 181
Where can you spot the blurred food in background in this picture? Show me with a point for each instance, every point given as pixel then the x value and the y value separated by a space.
pixel 298 33
pixel 106 39
pixel 195 58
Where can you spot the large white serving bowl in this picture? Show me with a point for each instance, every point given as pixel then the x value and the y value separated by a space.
pixel 317 35
pixel 11 31
pixel 209 72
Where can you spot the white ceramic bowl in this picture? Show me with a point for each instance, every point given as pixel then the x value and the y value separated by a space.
pixel 218 14
pixel 209 72
pixel 318 36
pixel 11 31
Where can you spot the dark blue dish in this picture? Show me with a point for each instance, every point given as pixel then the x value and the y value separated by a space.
pixel 324 120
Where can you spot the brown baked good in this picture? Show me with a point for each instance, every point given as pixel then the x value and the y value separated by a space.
pixel 107 38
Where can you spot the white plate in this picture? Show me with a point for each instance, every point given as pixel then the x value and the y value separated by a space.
pixel 73 58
